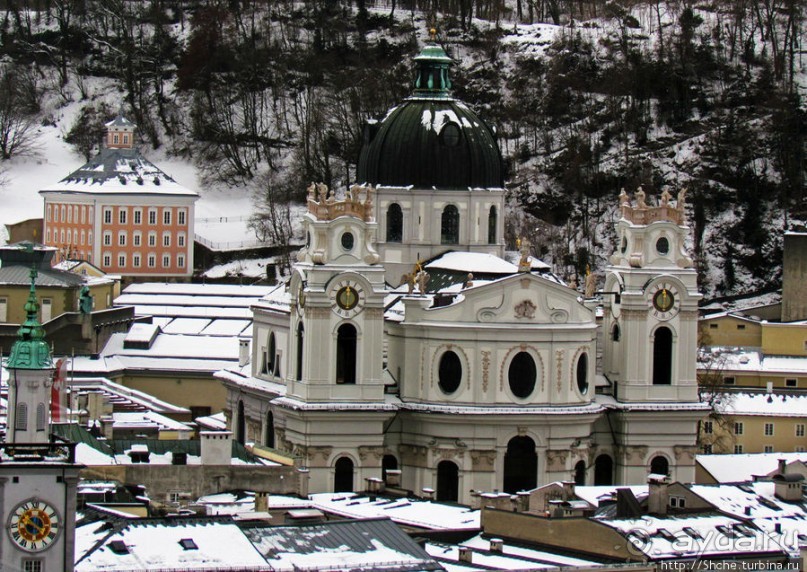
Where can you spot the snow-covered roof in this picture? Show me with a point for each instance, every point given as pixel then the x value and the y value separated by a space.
pixel 478 262
pixel 123 396
pixel 699 535
pixel 145 544
pixel 145 420
pixel 770 405
pixel 119 172
pixel 743 467
pixel 411 512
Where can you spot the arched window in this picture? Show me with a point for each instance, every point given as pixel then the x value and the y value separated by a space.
pixel 300 335
pixel 492 220
pixel 270 430
pixel 343 475
pixel 240 424
pixel 448 481
pixel 449 373
pixel 450 225
pixel 394 223
pixel 616 333
pixel 660 465
pixel 662 356
pixel 603 470
pixel 580 473
pixel 346 354
pixel 520 465
pixel 270 354
pixel 21 422
pixel 388 463
pixel 582 373
pixel 41 420
pixel 522 374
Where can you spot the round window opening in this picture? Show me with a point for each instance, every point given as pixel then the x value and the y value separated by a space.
pixel 522 374
pixel 582 373
pixel 347 241
pixel 663 245
pixel 450 372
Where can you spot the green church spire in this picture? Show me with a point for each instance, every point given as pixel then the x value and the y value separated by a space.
pixel 30 351
pixel 432 71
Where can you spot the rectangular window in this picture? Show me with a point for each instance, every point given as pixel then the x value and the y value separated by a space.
pixel 138 216
pixel 713 326
pixel 47 236
pixel 791 382
pixel 121 260
pixel 740 326
pixel 181 217
pixel 122 215
pixel 122 238
pixel 708 427
pixel 69 214
pixel 152 239
pixel 136 260
pixel 3 310
pixel 799 448
pixel 768 429
pixel 61 234
pixel 125 139
pixel 768 449
pixel 64 219
pixel 83 214
pixel 152 261
pixel 738 449
pixel 107 238
pixel 115 139
pixel 166 261
pixel 152 216
pixel 21 422
pixel 707 449
pixel 181 261
pixel 799 426
pixel 83 236
pixel 738 428
pixel 107 260
pixel 728 380
pixel 30 565
pixel 166 216
pixel 181 240
pixel 166 239
pixel 137 239
pixel 49 212
pixel 107 216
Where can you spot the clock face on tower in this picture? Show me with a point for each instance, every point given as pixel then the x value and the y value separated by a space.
pixel 664 299
pixel 33 525
pixel 347 298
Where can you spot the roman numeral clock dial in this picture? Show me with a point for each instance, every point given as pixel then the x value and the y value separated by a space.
pixel 347 298
pixel 33 525
pixel 664 300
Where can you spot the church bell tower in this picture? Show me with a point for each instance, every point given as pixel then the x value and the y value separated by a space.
pixel 38 474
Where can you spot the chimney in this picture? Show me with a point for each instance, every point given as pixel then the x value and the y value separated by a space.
pixel 782 466
pixel 243 352
pixel 374 485
pixel 466 555
pixel 217 447
pixel 626 504
pixel 568 490
pixel 496 545
pixel 658 496
pixel 393 477
pixel 261 502
pixel 428 493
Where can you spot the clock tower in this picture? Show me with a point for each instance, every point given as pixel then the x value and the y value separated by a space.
pixel 650 329
pixel 38 474
pixel 334 407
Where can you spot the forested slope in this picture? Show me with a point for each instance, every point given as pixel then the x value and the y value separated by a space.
pixel 587 97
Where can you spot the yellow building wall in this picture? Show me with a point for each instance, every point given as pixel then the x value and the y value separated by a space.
pixel 182 390
pixel 62 299
pixel 785 438
pixel 729 331
pixel 784 339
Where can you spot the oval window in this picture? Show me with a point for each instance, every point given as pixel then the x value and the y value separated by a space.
pixel 450 135
pixel 663 245
pixel 347 241
pixel 522 374
pixel 450 372
pixel 582 373
pixel 624 245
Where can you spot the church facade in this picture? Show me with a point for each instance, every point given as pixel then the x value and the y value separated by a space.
pixel 477 375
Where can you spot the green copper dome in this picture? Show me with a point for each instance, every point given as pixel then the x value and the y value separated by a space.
pixel 431 139
pixel 30 351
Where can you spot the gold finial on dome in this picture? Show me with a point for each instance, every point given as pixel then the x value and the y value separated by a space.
pixel 433 34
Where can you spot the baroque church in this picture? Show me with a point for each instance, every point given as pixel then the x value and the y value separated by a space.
pixel 474 374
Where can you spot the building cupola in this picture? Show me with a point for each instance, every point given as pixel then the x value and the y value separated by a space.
pixel 120 133
pixel 432 79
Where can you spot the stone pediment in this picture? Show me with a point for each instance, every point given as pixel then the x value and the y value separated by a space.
pixel 520 299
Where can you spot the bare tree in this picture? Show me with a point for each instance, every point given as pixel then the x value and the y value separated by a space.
pixel 273 198
pixel 18 121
